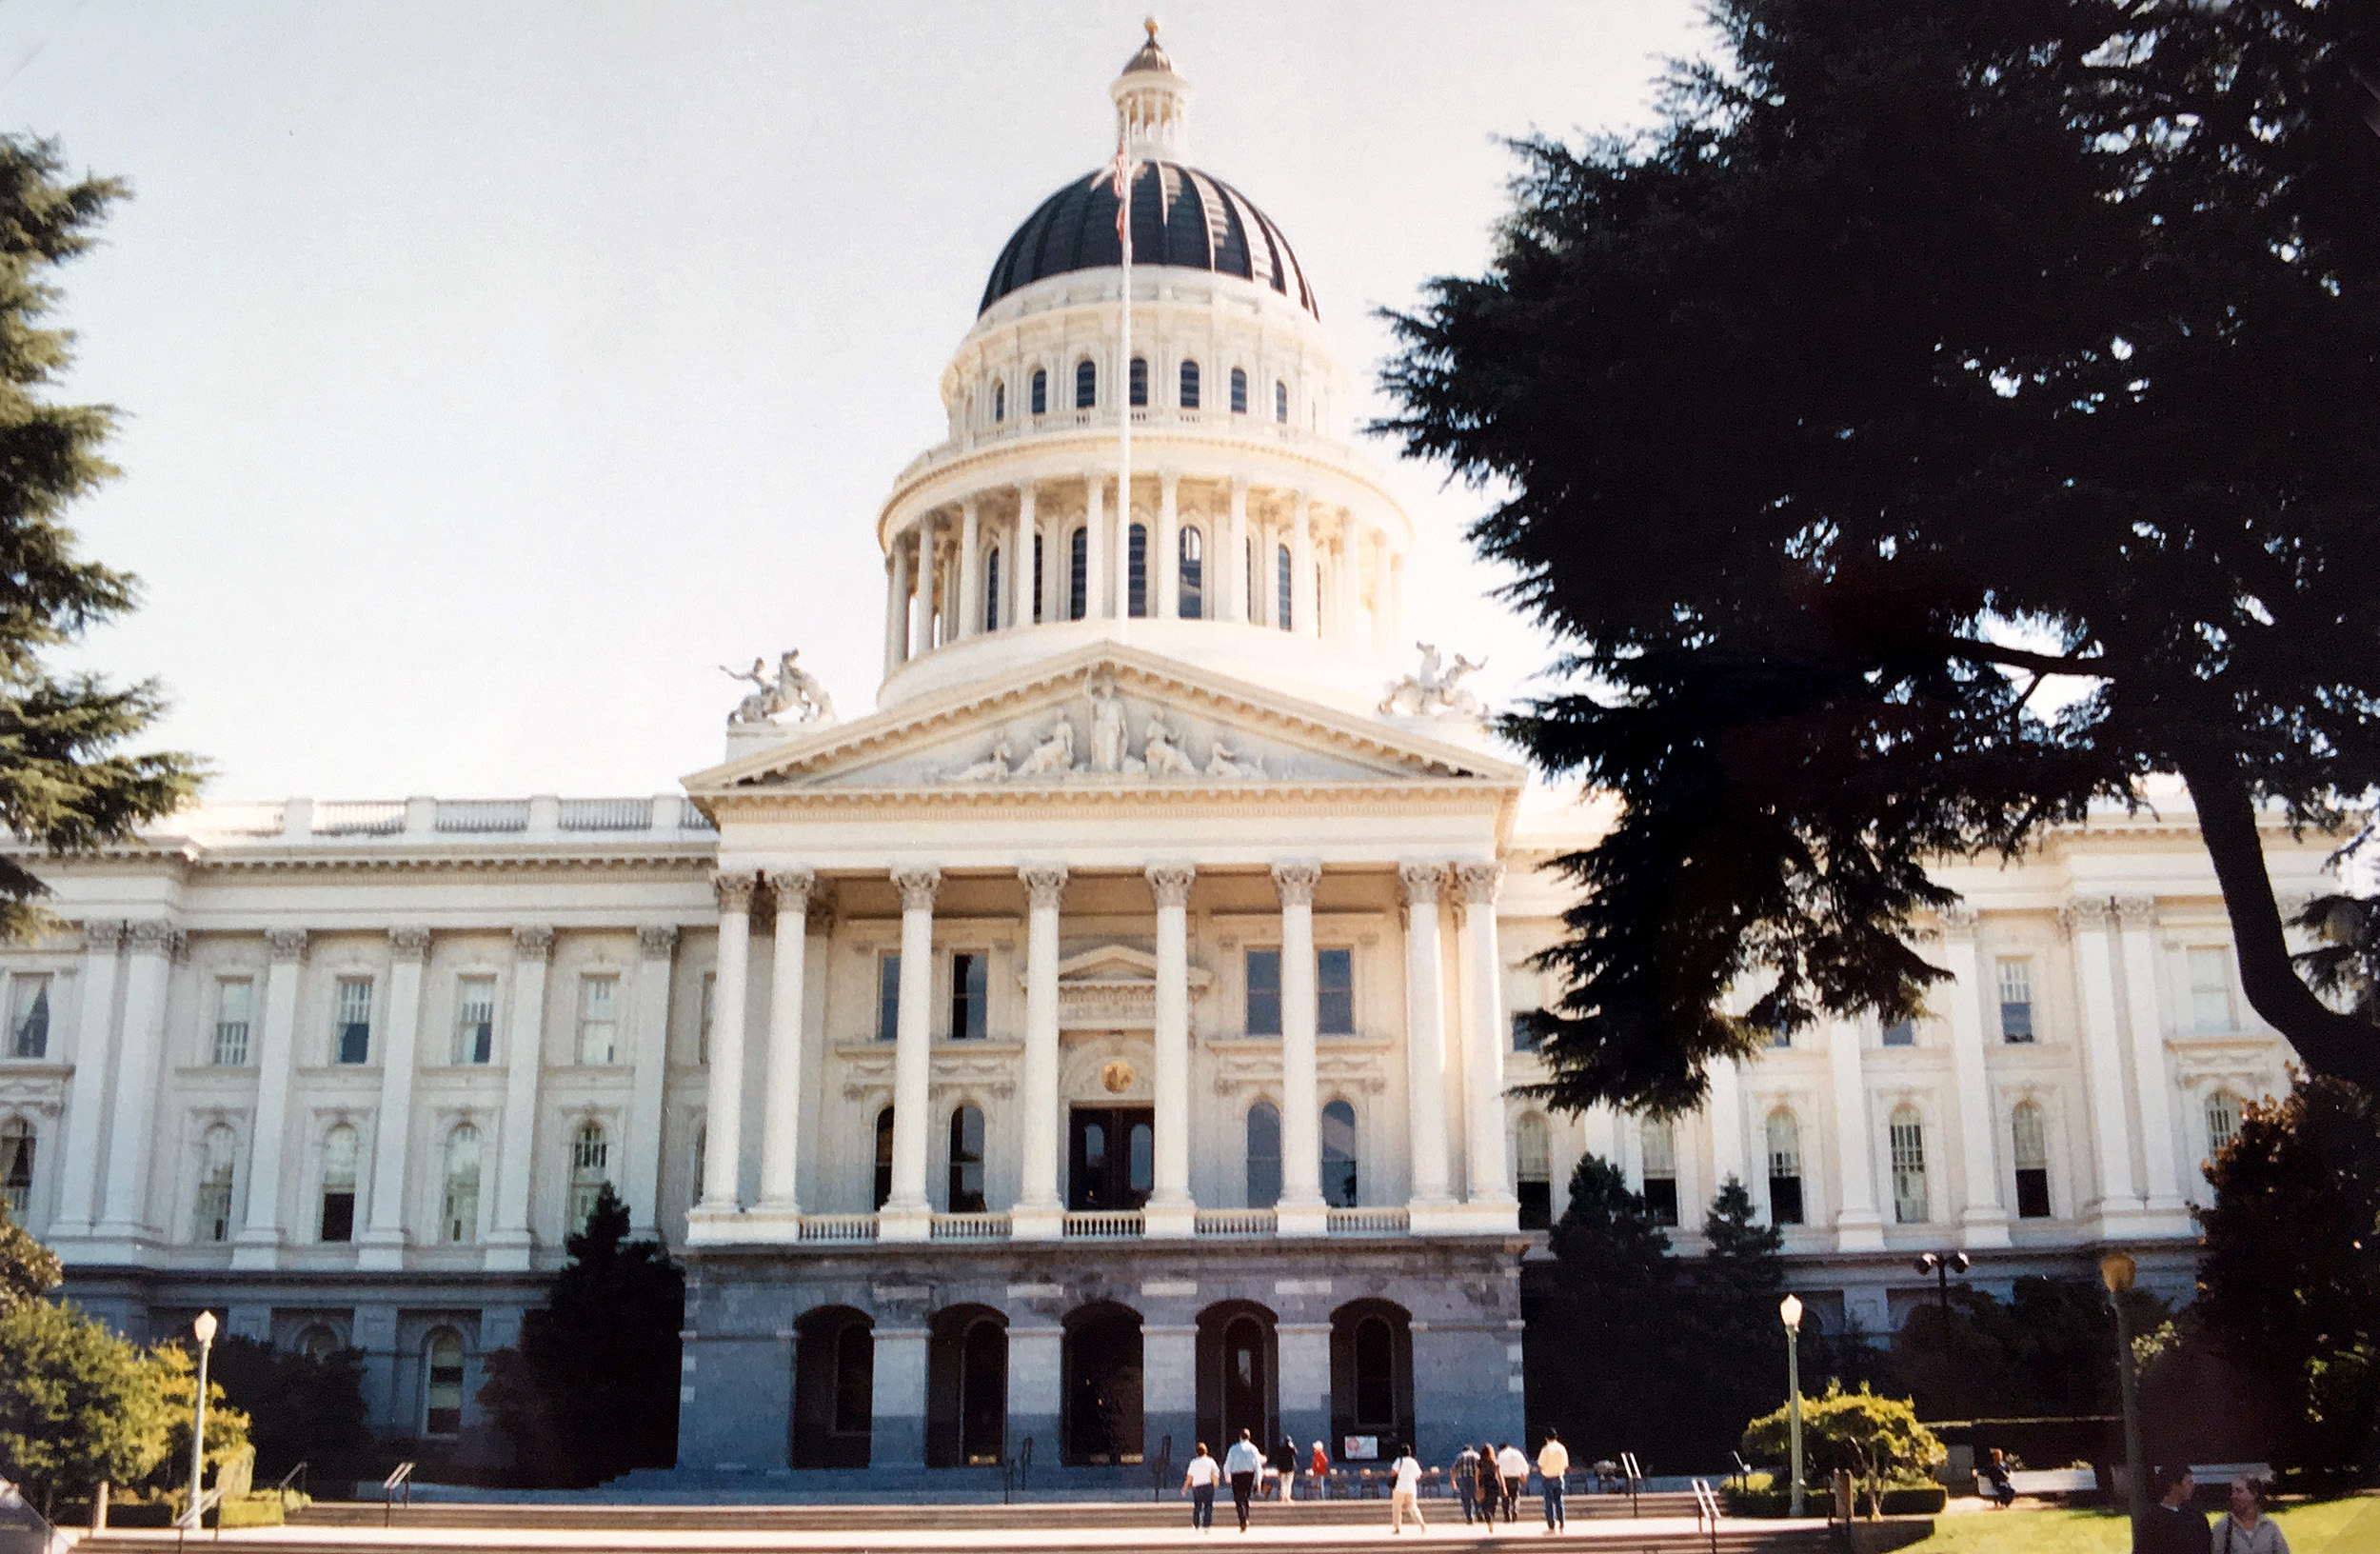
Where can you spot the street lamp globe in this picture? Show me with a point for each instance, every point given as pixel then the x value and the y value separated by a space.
pixel 205 1327
pixel 2117 1271
pixel 1790 1309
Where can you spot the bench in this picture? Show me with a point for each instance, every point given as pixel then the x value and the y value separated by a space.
pixel 2039 1482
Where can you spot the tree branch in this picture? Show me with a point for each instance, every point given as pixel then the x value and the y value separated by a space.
pixel 2330 1043
pixel 2093 664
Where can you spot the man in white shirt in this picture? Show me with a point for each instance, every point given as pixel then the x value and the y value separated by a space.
pixel 1242 1464
pixel 1198 1480
pixel 1513 1468
pixel 1553 1462
pixel 1404 1495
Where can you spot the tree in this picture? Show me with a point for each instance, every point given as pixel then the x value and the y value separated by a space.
pixel 28 1269
pixel 301 1408
pixel 174 1374
pixel 576 1423
pixel 64 785
pixel 1609 1322
pixel 2289 1283
pixel 1729 1362
pixel 78 1404
pixel 1876 1439
pixel 1927 356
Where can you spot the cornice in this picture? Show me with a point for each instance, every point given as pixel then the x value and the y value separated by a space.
pixel 1019 795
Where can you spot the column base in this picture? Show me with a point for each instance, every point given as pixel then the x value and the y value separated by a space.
pixel 773 1224
pixel 1435 1215
pixel 117 1244
pixel 1863 1232
pixel 256 1249
pixel 2127 1219
pixel 712 1227
pixel 1983 1229
pixel 1481 1216
pixel 904 1223
pixel 381 1251
pixel 1177 1220
pixel 1309 1218
pixel 1036 1222
pixel 509 1251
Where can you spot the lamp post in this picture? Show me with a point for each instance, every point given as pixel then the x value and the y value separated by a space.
pixel 1941 1266
pixel 2116 1271
pixel 1790 1309
pixel 205 1330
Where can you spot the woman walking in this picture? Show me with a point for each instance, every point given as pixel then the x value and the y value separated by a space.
pixel 1404 1495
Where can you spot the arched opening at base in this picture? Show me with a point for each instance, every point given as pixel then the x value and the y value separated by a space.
pixel 966 1387
pixel 1372 1374
pixel 1103 1381
pixel 1239 1374
pixel 834 1387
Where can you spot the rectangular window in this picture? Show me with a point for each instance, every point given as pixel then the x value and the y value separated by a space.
pixel 1901 1033
pixel 351 1028
pixel 599 1020
pixel 1524 1031
pixel 2032 1193
pixel 1661 1172
pixel 235 1007
pixel 474 1020
pixel 1784 1200
pixel 2030 1138
pixel 29 1014
pixel 1335 992
pixel 970 978
pixel 2210 991
pixel 1264 992
pixel 1908 1136
pixel 2015 973
pixel 887 998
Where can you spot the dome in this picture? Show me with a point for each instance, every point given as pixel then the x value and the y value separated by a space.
pixel 1180 217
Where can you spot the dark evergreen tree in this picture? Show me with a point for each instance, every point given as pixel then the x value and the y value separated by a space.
pixel 1603 1335
pixel 301 1408
pixel 1929 357
pixel 592 1390
pixel 64 785
pixel 1732 1359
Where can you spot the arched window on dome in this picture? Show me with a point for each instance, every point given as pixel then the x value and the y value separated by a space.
pixel 1193 600
pixel 1086 384
pixel 1037 573
pixel 1136 564
pixel 991 588
pixel 1239 392
pixel 1281 401
pixel 1189 385
pixel 1281 572
pixel 1140 380
pixel 1078 574
pixel 1000 402
pixel 1041 392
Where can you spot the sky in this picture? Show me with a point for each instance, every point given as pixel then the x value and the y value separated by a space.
pixel 491 374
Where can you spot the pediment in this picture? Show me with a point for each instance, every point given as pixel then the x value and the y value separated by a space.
pixel 1104 718
pixel 1113 987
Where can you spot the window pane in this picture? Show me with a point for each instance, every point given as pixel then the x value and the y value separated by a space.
pixel 1281 582
pixel 212 1212
pixel 29 1014
pixel 599 1029
pixel 353 1026
pixel 1339 1155
pixel 2033 1193
pixel 1239 392
pixel 1041 392
pixel 1524 1031
pixel 1264 992
pixel 474 1020
pixel 1910 1205
pixel 16 1166
pixel 2015 977
pixel 1192 604
pixel 1281 402
pixel 1375 1381
pixel 966 1161
pixel 1137 569
pixel 2222 1121
pixel 1264 1156
pixel 887 998
pixel 1140 380
pixel 1086 382
pixel 1189 385
pixel 969 989
pixel 884 1155
pixel 1078 575
pixel 1901 1033
pixel 234 1009
pixel 459 1207
pixel 1659 1142
pixel 2210 990
pixel 441 1390
pixel 1335 992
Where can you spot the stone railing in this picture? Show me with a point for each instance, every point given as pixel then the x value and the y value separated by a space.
pixel 970 1228
pixel 1220 425
pixel 1369 1222
pixel 483 817
pixel 539 817
pixel 1103 1225
pixel 1237 1222
pixel 838 1228
pixel 360 817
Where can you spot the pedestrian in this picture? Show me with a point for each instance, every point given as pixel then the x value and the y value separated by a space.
pixel 1285 1466
pixel 1466 1476
pixel 1513 1469
pixel 1200 1483
pixel 2247 1530
pixel 1553 1465
pixel 1404 1494
pixel 1995 1473
pixel 1242 1464
pixel 1319 1469
pixel 1491 1484
pixel 2169 1527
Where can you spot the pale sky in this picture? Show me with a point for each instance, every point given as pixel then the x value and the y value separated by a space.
pixel 491 373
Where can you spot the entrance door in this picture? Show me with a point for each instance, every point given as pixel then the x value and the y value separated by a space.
pixel 1110 1156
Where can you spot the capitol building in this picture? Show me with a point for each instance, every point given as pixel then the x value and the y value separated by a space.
pixel 1112 1035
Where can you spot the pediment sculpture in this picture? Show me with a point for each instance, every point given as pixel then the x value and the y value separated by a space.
pixel 1056 754
pixel 1433 689
pixel 791 688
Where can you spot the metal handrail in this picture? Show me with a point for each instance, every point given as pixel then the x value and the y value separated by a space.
pixel 1707 1511
pixel 304 1484
pixel 401 1477
pixel 1635 1479
pixel 1012 1467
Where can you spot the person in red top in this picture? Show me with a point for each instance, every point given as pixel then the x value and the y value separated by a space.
pixel 1321 1468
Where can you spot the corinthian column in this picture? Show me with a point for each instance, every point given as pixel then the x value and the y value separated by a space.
pixel 655 943
pixel 1233 585
pixel 1301 600
pixel 906 1216
pixel 1094 550
pixel 257 1242
pixel 1017 610
pixel 723 1119
pixel 509 1243
pixel 1039 1214
pixel 780 1110
pixel 1302 1210
pixel 86 1100
pixel 1982 1222
pixel 1425 1033
pixel 153 947
pixel 1170 1211
pixel 1485 1040
pixel 968 617
pixel 383 1245
pixel 1166 565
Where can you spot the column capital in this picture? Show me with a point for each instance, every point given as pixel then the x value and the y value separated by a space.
pixel 285 945
pixel 2087 914
pixel 533 942
pixel 657 941
pixel 918 887
pixel 105 934
pixel 734 889
pixel 1296 883
pixel 818 915
pixel 154 935
pixel 1170 882
pixel 1027 494
pixel 1417 884
pixel 1167 480
pixel 1959 919
pixel 1479 882
pixel 2135 911
pixel 792 887
pixel 968 505
pixel 409 943
pixel 1045 884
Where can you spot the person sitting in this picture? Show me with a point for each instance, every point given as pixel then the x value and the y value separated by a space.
pixel 2246 1529
pixel 1995 1473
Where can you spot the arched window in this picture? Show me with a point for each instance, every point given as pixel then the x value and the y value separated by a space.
pixel 991 588
pixel 458 1207
pixel 338 1217
pixel 1086 384
pixel 1659 1142
pixel 1533 1171
pixel 1137 568
pixel 884 1155
pixel 1281 402
pixel 1907 1132
pixel 1189 385
pixel 212 1216
pixel 1041 392
pixel 1263 1155
pixel 1000 402
pixel 1339 1155
pixel 590 1164
pixel 1191 604
pixel 1079 574
pixel 1140 380
pixel 2030 1142
pixel 966 1161
pixel 442 1382
pixel 319 1341
pixel 1239 392
pixel 1281 574
pixel 16 1166
pixel 2222 1121
pixel 1784 1168
pixel 1037 573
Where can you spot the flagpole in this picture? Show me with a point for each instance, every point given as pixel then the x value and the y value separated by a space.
pixel 1124 409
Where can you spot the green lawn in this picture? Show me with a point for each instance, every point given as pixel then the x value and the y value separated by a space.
pixel 2331 1527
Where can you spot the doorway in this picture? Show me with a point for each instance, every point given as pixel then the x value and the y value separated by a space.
pixel 966 1387
pixel 1102 1379
pixel 1110 1157
pixel 1238 1387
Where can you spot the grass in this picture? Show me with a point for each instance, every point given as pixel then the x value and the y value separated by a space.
pixel 2331 1527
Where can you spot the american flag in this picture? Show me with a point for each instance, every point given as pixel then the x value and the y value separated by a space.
pixel 1119 179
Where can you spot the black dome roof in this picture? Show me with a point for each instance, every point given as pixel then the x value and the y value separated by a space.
pixel 1180 217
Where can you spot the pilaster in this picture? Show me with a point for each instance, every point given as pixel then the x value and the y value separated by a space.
pixel 383 1245
pixel 1302 1211
pixel 510 1245
pixel 656 943
pixel 1170 1213
pixel 1039 1215
pixel 906 1215
pixel 1983 1220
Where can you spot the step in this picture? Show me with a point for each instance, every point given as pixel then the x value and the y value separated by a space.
pixel 1650 1536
